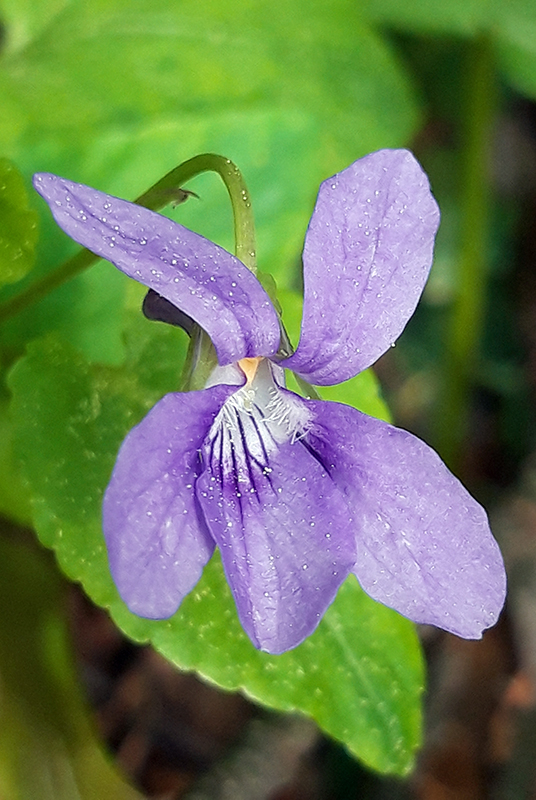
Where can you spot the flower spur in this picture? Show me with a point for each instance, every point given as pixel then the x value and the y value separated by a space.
pixel 296 493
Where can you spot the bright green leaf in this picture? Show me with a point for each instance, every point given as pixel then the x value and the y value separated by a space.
pixel 120 63
pixel 86 310
pixel 115 94
pixel 25 19
pixel 18 226
pixel 359 676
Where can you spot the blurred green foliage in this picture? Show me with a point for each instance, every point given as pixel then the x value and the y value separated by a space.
pixel 18 226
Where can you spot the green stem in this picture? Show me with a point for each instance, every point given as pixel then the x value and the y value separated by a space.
pixel 308 391
pixel 465 329
pixel 244 229
pixel 156 198
pixel 200 361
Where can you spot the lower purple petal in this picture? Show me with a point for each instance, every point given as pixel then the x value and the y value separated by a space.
pixel 285 536
pixel 424 544
pixel 157 541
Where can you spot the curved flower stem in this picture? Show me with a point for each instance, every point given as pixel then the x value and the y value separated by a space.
pixel 157 197
pixel 309 391
pixel 465 329
pixel 200 361
pixel 244 229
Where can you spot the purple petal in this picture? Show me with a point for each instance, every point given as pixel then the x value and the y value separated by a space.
pixel 203 280
pixel 424 546
pixel 283 529
pixel 157 542
pixel 367 255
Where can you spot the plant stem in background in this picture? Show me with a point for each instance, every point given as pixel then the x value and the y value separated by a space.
pixel 465 329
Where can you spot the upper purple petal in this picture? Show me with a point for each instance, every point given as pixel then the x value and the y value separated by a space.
pixel 157 541
pixel 196 275
pixel 282 526
pixel 424 546
pixel 367 255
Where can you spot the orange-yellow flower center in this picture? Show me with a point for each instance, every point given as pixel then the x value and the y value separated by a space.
pixel 249 367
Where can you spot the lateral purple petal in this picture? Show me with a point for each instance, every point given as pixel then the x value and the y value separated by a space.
pixel 424 546
pixel 285 536
pixel 196 275
pixel 157 541
pixel 367 255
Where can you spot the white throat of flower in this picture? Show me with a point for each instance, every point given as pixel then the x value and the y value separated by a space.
pixel 256 419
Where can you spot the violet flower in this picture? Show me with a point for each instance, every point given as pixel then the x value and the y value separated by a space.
pixel 296 493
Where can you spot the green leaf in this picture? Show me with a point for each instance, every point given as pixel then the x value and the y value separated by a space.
pixel 18 226
pixel 25 19
pixel 359 676
pixel 115 94
pixel 297 54
pixel 14 495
